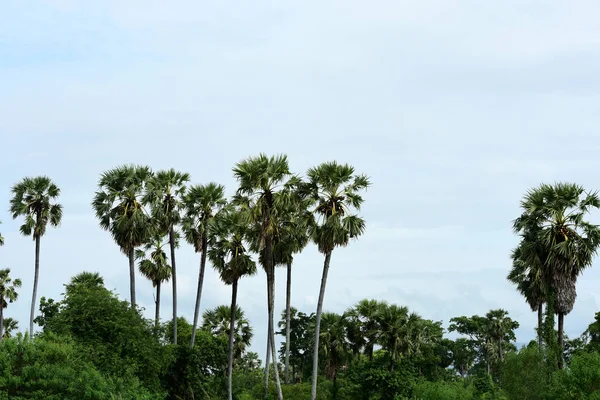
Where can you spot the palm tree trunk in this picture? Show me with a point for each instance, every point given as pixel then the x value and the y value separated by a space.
pixel 315 371
pixel 157 312
pixel 199 291
pixel 131 257
pixel 174 278
pixel 272 335
pixel 540 322
pixel 36 276
pixel 231 333
pixel 266 377
pixel 1 319
pixel 288 299
pixel 561 326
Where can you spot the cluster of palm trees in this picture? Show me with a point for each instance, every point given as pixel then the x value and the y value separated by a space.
pixel 557 244
pixel 273 215
pixel 356 333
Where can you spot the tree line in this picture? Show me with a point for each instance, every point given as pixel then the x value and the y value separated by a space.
pixel 273 215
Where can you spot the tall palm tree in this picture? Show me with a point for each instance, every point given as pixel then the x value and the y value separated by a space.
pixel 33 199
pixel 8 294
pixel 230 258
pixel 291 239
pixel 556 213
pixel 164 193
pixel 10 325
pixel 202 203
pixel 218 322
pixel 118 206
pixel 155 267
pixel 264 190
pixel 336 190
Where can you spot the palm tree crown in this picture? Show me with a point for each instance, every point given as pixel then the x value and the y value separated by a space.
pixel 32 199
pixel 336 191
pixel 217 321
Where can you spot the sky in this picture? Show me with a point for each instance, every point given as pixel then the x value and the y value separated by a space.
pixel 454 110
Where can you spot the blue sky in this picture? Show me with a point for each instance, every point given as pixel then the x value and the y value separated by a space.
pixel 454 110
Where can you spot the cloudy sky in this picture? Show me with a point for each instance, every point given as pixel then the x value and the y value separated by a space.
pixel 454 109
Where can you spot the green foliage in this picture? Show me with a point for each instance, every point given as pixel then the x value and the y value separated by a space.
pixel 114 337
pixel 427 390
pixel 197 373
pixel 54 368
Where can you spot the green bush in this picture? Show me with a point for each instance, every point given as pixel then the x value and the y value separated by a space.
pixel 443 391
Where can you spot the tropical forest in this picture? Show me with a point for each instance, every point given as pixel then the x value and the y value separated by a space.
pixel 95 343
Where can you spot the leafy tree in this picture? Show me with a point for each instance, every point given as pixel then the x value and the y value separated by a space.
pixel 202 203
pixel 33 199
pixel 112 335
pixel 230 258
pixel 164 193
pixel 464 354
pixel 336 190
pixel 263 191
pixel 556 213
pixel 154 267
pixel 8 294
pixel 118 206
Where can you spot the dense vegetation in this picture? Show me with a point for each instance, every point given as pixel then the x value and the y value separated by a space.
pixel 93 345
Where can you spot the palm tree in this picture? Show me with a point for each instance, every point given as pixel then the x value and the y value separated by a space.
pixel 218 322
pixel 556 214
pixel 292 238
pixel 118 206
pixel 527 273
pixel 32 199
pixel 202 202
pixel 154 267
pixel 334 344
pixel 164 192
pixel 336 190
pixel 1 238
pixel 8 294
pixel 366 312
pixel 397 326
pixel 264 190
pixel 10 325
pixel 88 280
pixel 501 329
pixel 230 258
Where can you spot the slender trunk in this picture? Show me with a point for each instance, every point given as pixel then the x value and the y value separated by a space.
pixel 267 362
pixel 36 276
pixel 288 300
pixel 488 366
pixel 272 337
pixel 131 257
pixel 234 287
pixel 315 371
pixel 199 291
pixel 174 278
pixel 157 312
pixel 561 326
pixel 540 322
pixel 1 318
pixel 500 350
